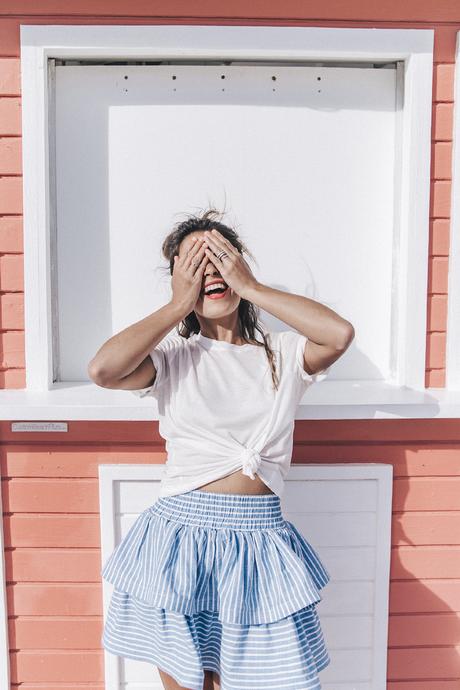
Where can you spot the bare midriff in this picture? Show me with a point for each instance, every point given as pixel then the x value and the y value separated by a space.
pixel 237 483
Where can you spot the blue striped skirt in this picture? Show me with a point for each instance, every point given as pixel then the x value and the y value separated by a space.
pixel 221 582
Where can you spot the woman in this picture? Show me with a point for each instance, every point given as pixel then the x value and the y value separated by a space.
pixel 211 583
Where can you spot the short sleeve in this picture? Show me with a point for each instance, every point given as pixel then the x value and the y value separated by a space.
pixel 162 356
pixel 297 342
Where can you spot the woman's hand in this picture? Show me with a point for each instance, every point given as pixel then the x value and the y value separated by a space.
pixel 233 268
pixel 187 277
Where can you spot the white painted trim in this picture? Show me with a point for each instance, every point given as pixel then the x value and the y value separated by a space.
pixel 413 47
pixel 412 225
pixel 108 476
pixel 382 473
pixel 4 638
pixel 453 298
pixel 325 400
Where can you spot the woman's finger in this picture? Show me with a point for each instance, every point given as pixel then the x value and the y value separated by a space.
pixel 223 242
pixel 217 262
pixel 215 245
pixel 197 260
pixel 191 251
pixel 202 265
pixel 194 249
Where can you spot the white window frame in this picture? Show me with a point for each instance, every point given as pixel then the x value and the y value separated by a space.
pixel 453 303
pixel 405 396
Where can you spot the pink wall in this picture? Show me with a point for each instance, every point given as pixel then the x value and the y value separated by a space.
pixel 50 491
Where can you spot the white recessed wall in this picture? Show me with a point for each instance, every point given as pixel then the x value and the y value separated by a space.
pixel 303 156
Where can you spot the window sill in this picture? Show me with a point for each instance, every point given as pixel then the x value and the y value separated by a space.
pixel 325 400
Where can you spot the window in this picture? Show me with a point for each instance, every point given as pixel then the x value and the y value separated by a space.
pixel 326 129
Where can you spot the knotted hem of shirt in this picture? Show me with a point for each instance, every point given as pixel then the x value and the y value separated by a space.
pixel 251 462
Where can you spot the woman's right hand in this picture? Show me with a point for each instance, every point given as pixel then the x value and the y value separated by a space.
pixel 187 277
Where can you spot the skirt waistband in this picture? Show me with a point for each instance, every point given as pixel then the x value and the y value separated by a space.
pixel 215 510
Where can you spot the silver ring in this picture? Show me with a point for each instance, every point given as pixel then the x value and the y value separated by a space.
pixel 222 254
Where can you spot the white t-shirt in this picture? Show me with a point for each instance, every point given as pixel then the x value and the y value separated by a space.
pixel 218 412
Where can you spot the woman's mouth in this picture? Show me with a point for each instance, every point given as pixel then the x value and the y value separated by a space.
pixel 218 293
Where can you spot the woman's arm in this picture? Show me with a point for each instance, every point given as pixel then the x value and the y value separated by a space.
pixel 123 361
pixel 329 335
pixel 125 355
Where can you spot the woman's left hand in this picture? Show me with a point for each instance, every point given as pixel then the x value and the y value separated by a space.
pixel 233 268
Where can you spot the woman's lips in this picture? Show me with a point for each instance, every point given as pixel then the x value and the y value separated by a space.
pixel 217 295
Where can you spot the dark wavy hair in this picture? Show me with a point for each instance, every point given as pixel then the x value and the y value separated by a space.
pixel 248 313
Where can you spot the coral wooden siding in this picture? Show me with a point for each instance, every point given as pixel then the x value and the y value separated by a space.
pixel 50 486
pixel 51 523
